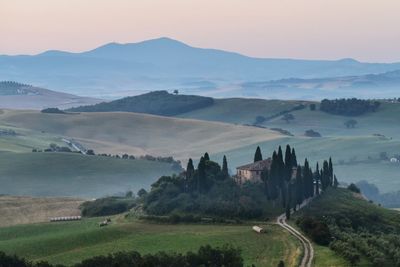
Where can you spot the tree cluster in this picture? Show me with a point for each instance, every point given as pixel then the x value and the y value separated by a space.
pixel 209 189
pixel 349 107
pixel 157 102
pixel 291 184
pixel 206 256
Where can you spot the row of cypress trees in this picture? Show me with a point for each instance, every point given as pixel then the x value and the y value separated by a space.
pixel 290 183
pixel 286 181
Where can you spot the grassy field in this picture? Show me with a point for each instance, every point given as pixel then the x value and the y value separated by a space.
pixel 72 174
pixel 138 134
pixel 240 110
pixel 71 242
pixel 23 210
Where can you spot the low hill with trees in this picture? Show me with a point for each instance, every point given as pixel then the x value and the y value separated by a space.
pixel 157 103
pixel 210 190
pixel 363 233
pixel 349 107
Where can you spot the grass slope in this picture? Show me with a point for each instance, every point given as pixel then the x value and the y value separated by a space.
pixel 240 110
pixel 342 202
pixel 71 242
pixel 24 210
pixel 118 132
pixel 71 174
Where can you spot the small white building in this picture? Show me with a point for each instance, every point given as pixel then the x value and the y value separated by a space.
pixel 258 229
pixel 394 160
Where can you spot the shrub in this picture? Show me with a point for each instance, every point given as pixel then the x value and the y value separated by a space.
pixel 317 230
pixel 107 206
pixel 352 187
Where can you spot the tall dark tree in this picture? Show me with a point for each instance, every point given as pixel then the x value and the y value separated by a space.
pixel 317 179
pixel 325 176
pixel 299 186
pixel 201 175
pixel 189 169
pixel 258 155
pixel 264 179
pixel 225 171
pixel 206 156
pixel 335 182
pixel 288 163
pixel 281 176
pixel 306 179
pixel 289 203
pixel 273 179
pixel 294 158
pixel 330 167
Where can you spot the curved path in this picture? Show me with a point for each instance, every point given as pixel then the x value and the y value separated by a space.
pixel 308 256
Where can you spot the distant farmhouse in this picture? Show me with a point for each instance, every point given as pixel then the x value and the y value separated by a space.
pixel 253 171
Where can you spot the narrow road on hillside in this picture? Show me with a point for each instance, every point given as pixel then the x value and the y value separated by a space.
pixel 308 256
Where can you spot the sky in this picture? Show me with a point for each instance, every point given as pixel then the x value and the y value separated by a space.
pixel 367 30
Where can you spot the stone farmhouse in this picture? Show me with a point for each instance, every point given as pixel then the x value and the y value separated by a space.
pixel 252 172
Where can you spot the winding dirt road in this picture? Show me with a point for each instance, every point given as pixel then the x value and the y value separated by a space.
pixel 308 256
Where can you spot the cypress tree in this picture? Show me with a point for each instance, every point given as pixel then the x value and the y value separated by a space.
pixel 206 156
pixel 189 169
pixel 294 158
pixel 281 176
pixel 335 182
pixel 201 174
pixel 306 179
pixel 288 164
pixel 225 171
pixel 330 166
pixel 299 186
pixel 264 178
pixel 325 178
pixel 258 155
pixel 316 178
pixel 289 200
pixel 273 179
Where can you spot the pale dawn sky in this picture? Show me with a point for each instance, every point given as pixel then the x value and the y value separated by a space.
pixel 367 30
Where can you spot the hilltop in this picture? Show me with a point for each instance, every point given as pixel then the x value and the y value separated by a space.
pixel 14 95
pixel 115 69
pixel 157 103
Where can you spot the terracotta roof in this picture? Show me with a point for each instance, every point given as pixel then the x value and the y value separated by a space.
pixel 256 166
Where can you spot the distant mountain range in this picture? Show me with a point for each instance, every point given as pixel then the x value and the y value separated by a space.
pixel 14 95
pixel 115 70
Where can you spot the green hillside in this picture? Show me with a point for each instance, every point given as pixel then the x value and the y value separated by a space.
pixel 157 103
pixel 72 174
pixel 70 242
pixel 241 110
pixel 362 231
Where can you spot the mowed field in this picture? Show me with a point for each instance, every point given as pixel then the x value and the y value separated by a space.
pixel 23 210
pixel 139 134
pixel 70 242
pixel 73 174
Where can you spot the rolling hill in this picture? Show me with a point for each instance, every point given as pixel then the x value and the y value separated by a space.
pixel 139 134
pixel 114 70
pixel 15 95
pixel 382 85
pixel 157 103
pixel 77 175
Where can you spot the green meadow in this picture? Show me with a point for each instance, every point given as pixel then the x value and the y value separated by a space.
pixel 70 242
